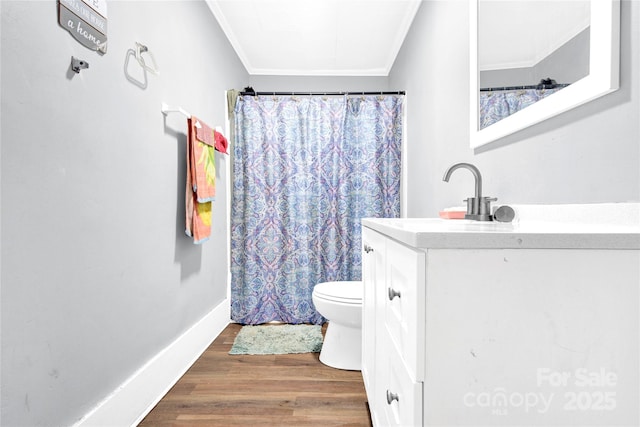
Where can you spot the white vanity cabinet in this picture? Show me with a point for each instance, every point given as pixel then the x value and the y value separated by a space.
pixel 493 324
pixel 392 365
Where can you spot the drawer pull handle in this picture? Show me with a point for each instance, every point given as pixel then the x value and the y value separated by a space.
pixel 393 293
pixel 391 397
pixel 368 248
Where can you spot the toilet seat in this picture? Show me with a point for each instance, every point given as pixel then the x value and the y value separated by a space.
pixel 347 292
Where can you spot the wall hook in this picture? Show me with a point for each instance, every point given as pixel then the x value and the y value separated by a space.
pixel 78 64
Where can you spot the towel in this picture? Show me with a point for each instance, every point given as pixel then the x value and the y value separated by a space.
pixel 221 142
pixel 202 157
pixel 202 222
pixel 198 221
pixel 205 134
pixel 200 182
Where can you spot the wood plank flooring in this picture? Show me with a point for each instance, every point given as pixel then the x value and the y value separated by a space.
pixel 267 390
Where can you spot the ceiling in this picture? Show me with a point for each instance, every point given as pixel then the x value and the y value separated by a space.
pixel 520 33
pixel 316 37
pixel 363 37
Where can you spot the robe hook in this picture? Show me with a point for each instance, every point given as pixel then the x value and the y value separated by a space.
pixel 78 64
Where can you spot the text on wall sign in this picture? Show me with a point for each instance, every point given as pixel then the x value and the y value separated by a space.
pixel 86 21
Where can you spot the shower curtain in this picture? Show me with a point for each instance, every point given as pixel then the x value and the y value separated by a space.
pixel 496 105
pixel 306 170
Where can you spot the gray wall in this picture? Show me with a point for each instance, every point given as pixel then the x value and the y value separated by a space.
pixel 318 83
pixel 567 64
pixel 589 154
pixel 97 274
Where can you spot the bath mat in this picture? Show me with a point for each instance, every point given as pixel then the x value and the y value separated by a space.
pixel 278 339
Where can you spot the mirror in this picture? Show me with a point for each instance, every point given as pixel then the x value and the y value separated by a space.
pixel 564 62
pixel 520 63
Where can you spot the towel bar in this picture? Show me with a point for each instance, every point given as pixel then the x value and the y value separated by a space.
pixel 166 110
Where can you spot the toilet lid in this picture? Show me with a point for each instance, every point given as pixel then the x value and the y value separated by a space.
pixel 345 291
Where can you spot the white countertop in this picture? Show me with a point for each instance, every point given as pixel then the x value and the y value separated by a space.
pixel 553 227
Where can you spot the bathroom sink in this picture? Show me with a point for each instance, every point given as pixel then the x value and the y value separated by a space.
pixel 599 226
pixel 452 225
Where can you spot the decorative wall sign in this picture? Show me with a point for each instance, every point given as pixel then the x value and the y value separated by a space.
pixel 86 21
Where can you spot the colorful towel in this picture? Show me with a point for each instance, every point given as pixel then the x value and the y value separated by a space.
pixel 200 182
pixel 203 165
pixel 198 220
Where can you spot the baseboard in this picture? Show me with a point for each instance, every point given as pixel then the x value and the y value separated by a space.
pixel 134 399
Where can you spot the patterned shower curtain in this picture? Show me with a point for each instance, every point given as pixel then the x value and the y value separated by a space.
pixel 496 105
pixel 306 170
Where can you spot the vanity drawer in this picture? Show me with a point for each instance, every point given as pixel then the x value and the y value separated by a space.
pixel 401 396
pixel 404 305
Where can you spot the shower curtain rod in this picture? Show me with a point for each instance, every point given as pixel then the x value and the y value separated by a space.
pixel 538 86
pixel 251 93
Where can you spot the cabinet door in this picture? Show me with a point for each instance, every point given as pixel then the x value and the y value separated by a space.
pixel 405 305
pixel 373 271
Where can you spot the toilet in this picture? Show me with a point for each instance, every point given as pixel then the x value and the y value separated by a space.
pixel 341 304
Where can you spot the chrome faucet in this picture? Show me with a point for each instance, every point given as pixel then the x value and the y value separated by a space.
pixel 478 207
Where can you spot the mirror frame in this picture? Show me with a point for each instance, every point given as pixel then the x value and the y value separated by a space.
pixel 603 78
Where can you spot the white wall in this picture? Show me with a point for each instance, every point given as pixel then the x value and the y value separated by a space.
pixel 97 274
pixel 589 154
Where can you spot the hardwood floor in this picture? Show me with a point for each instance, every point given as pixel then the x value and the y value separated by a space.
pixel 271 390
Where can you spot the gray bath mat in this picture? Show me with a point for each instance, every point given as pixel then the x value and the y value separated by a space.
pixel 278 339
